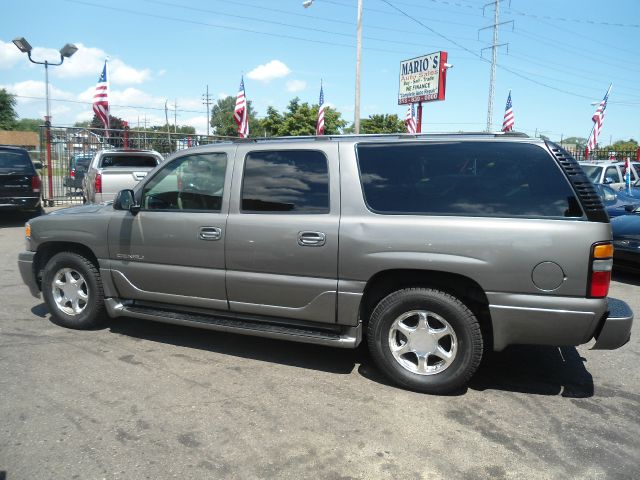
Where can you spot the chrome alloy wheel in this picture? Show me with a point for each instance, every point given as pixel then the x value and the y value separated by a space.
pixel 423 342
pixel 70 291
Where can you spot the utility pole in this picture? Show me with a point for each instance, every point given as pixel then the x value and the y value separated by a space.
pixel 356 120
pixel 206 100
pixel 494 56
pixel 175 115
pixel 166 116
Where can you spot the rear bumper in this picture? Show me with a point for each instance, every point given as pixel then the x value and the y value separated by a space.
pixel 25 265
pixel 615 328
pixel 19 203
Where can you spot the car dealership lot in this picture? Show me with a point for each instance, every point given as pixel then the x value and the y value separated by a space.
pixel 145 400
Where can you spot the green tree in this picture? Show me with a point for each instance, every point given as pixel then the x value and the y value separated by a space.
pixel 222 118
pixel 300 119
pixel 624 145
pixel 29 124
pixel 382 123
pixel 579 141
pixel 8 115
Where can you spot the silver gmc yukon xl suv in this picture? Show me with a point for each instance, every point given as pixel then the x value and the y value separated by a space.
pixel 435 248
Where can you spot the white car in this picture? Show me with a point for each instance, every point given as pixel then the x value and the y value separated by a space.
pixel 610 173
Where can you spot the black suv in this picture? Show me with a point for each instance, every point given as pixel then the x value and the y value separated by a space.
pixel 19 182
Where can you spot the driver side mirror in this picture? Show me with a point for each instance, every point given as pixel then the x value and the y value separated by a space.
pixel 608 180
pixel 37 165
pixel 125 200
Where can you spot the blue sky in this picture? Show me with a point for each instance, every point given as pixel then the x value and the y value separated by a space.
pixel 562 55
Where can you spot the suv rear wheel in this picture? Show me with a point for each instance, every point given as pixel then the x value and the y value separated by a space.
pixel 425 340
pixel 72 290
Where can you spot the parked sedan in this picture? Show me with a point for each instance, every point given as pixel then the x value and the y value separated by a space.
pixel 618 202
pixel 626 242
pixel 19 181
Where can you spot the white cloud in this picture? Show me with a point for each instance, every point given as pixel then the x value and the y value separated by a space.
pixel 269 71
pixel 9 55
pixel 296 85
pixel 36 88
pixel 88 61
pixel 199 123
pixel 222 95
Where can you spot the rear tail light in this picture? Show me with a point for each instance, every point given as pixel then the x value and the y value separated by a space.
pixel 98 183
pixel 72 173
pixel 35 184
pixel 600 269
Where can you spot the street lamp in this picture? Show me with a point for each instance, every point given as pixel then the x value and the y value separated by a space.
pixel 356 120
pixel 65 52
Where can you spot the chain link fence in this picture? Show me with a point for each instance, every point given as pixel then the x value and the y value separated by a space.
pixel 62 147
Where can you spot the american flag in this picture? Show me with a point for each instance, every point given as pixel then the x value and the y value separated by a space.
pixel 598 119
pixel 241 114
pixel 509 120
pixel 320 121
pixel 410 120
pixel 101 99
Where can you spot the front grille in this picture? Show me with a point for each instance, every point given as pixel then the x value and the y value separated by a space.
pixel 589 198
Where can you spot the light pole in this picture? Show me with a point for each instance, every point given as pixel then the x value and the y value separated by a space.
pixel 356 108
pixel 65 52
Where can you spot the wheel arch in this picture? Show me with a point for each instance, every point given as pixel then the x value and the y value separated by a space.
pixel 467 290
pixel 48 249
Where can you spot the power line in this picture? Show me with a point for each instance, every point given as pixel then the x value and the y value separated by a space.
pixel 528 78
pixel 574 20
pixel 137 107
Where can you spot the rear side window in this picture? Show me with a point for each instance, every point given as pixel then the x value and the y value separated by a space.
pixel 15 162
pixel 287 181
pixel 145 161
pixel 465 178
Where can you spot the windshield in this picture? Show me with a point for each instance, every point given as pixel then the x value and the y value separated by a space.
pixel 592 171
pixel 15 162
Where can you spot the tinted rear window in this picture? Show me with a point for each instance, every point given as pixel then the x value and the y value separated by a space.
pixel 147 161
pixel 83 161
pixel 465 178
pixel 15 162
pixel 288 181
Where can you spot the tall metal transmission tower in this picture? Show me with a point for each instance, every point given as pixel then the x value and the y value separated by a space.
pixel 494 55
pixel 206 100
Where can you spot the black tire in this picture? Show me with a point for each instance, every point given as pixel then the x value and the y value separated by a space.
pixel 92 314
pixel 465 343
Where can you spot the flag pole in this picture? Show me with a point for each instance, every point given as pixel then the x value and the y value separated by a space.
pixel 594 125
pixel 419 125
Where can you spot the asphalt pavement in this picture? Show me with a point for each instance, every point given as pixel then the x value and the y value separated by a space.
pixel 139 400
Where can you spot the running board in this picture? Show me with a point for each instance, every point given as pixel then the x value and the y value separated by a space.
pixel 346 337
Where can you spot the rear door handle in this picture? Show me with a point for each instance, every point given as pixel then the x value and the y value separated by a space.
pixel 311 239
pixel 210 233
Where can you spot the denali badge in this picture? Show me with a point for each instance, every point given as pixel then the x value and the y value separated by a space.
pixel 124 256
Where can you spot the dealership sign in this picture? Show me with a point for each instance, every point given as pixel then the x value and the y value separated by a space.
pixel 423 79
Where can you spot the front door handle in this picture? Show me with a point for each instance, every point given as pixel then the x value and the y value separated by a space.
pixel 311 239
pixel 210 233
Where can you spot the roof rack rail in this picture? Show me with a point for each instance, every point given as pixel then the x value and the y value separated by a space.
pixel 378 135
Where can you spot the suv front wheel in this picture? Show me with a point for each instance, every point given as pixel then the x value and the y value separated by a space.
pixel 425 340
pixel 72 290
